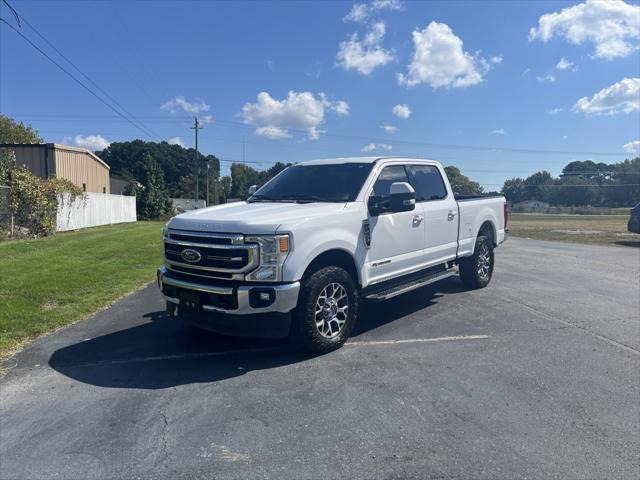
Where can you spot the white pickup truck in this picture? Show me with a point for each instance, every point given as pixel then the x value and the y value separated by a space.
pixel 298 257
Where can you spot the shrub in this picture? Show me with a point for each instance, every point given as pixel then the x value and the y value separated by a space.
pixel 32 202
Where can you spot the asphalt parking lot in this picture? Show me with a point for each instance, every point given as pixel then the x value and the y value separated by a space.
pixel 535 376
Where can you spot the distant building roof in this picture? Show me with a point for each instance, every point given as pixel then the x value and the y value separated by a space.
pixel 57 146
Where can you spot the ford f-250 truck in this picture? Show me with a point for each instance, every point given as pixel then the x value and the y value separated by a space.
pixel 300 255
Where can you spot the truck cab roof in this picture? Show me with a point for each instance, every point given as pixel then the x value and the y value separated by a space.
pixel 333 161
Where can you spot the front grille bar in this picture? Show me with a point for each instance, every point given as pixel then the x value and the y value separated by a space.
pixel 236 243
pixel 233 238
pixel 221 246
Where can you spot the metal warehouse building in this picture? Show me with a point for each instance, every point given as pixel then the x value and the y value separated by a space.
pixel 52 160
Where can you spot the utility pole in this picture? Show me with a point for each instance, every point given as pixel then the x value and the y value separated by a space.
pixel 196 127
pixel 243 165
pixel 208 166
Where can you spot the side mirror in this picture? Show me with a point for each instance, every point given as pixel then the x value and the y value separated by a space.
pixel 252 189
pixel 402 197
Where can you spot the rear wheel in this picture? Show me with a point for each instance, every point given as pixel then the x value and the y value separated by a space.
pixel 476 271
pixel 326 311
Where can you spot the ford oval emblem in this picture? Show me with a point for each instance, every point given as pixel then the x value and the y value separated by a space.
pixel 190 255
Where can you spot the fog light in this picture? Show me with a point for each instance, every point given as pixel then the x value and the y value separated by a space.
pixel 261 297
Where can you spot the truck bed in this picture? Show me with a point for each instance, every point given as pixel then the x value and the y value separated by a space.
pixel 464 198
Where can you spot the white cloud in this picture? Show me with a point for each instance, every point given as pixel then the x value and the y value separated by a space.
pixel 496 60
pixel 299 110
pixel 376 146
pixel 565 64
pixel 207 119
pixel 554 111
pixel 401 111
pixel 546 78
pixel 273 133
pixel 176 141
pixel 389 128
pixel 364 55
pixel 361 12
pixel 498 131
pixel 180 103
pixel 358 13
pixel 340 107
pixel 440 61
pixel 623 96
pixel 632 147
pixel 612 26
pixel 90 142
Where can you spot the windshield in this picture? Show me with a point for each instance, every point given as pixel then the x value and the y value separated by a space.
pixel 315 183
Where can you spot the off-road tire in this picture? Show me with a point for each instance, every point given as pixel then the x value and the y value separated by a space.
pixel 305 331
pixel 473 268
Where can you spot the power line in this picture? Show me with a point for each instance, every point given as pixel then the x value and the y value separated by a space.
pixel 15 13
pixel 490 149
pixel 48 42
pixel 79 82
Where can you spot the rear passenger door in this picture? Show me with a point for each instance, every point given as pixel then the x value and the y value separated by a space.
pixel 440 211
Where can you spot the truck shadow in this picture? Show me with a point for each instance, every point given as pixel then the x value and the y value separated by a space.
pixel 164 353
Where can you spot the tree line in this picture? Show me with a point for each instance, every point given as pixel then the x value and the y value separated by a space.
pixel 158 171
pixel 581 183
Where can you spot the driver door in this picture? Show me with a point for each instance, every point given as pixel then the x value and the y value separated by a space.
pixel 397 239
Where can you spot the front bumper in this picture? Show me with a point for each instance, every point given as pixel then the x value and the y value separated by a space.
pixel 231 300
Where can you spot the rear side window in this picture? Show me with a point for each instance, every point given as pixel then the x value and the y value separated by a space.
pixel 389 175
pixel 427 182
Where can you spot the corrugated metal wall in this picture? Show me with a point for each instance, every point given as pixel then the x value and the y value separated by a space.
pixel 77 165
pixel 82 168
pixel 34 157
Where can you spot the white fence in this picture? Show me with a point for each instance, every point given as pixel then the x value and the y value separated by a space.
pixel 93 210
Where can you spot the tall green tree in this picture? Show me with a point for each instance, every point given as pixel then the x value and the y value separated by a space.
pixel 461 184
pixel 17 132
pixel 152 197
pixel 242 177
pixel 539 186
pixel 514 190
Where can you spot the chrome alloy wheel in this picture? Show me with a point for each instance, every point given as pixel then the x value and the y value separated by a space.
pixel 332 308
pixel 483 264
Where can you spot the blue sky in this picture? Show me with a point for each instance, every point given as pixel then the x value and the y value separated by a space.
pixel 472 74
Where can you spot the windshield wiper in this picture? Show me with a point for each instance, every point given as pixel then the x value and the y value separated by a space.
pixel 266 198
pixel 301 198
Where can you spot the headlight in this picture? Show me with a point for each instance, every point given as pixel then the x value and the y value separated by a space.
pixel 273 252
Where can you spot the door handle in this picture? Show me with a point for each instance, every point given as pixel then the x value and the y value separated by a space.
pixel 417 219
pixel 451 215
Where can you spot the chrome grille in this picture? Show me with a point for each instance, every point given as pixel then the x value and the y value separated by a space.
pixel 212 255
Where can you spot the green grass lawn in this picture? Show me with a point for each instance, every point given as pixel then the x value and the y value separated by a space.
pixel 54 281
pixel 593 229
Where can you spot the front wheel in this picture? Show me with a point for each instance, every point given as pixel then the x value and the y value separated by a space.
pixel 326 311
pixel 476 270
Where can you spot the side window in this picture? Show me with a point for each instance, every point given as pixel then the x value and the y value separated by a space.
pixel 428 183
pixel 389 175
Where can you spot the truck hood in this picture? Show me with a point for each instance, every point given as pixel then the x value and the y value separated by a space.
pixel 252 218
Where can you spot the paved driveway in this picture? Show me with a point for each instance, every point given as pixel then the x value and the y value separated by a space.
pixel 534 377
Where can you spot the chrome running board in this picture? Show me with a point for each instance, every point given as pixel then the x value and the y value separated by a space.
pixel 411 285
